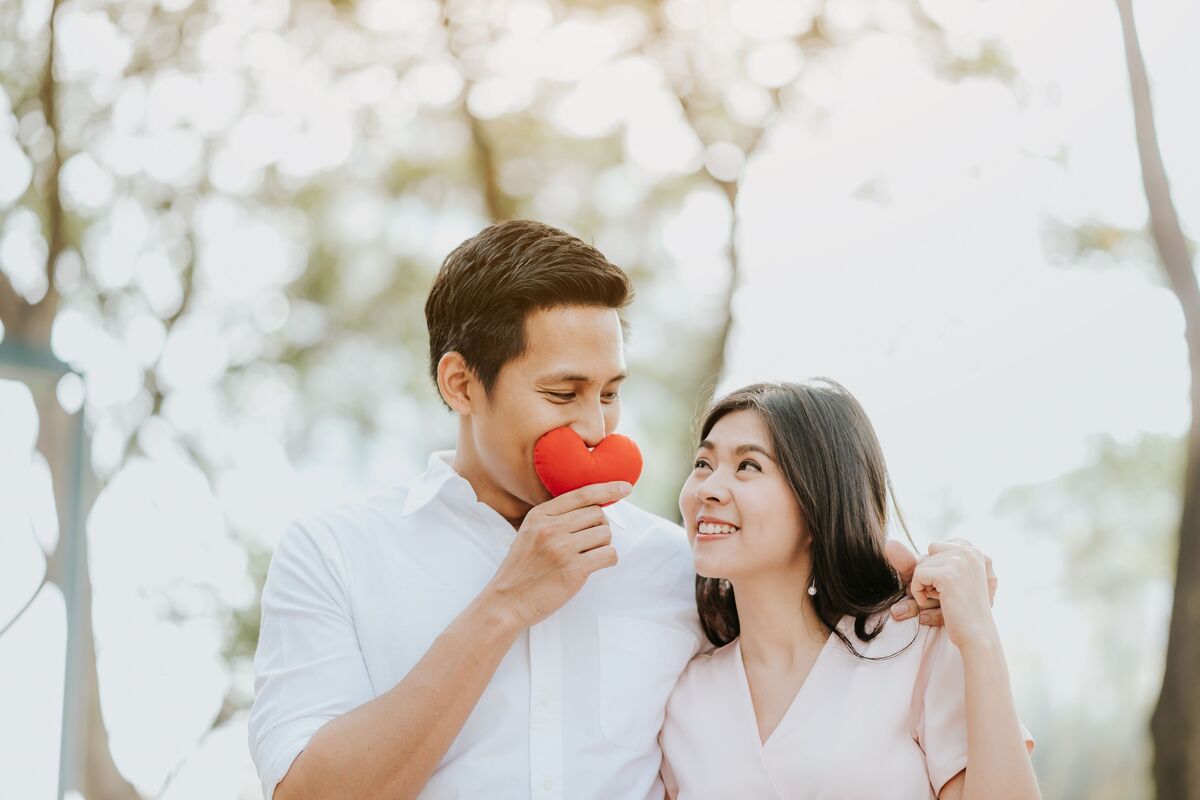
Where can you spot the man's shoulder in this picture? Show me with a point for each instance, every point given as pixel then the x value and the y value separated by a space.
pixel 639 521
pixel 358 518
pixel 711 667
pixel 631 514
pixel 649 540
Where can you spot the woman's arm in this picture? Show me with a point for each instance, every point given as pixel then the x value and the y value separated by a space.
pixel 996 752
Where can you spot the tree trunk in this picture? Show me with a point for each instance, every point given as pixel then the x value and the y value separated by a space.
pixel 87 763
pixel 499 206
pixel 718 353
pixel 1175 725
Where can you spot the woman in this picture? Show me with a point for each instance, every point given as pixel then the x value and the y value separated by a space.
pixel 812 692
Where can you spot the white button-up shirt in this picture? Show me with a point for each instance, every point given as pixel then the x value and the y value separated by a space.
pixel 355 597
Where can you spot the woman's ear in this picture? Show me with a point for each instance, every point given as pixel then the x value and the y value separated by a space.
pixel 455 382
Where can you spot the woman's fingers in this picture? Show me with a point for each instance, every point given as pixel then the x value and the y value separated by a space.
pixel 945 558
pixel 929 579
pixel 992 582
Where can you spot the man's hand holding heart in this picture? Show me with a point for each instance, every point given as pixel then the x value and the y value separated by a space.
pixel 564 540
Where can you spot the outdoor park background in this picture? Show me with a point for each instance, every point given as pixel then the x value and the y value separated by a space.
pixel 224 216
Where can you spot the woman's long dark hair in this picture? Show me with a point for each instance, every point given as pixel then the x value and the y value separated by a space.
pixel 830 456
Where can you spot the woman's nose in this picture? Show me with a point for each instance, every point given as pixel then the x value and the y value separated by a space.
pixel 712 490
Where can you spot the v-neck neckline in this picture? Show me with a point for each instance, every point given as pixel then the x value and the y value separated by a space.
pixel 749 697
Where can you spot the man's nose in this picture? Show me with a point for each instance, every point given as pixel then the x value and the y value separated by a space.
pixel 590 427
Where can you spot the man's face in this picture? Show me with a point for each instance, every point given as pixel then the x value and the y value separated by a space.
pixel 569 375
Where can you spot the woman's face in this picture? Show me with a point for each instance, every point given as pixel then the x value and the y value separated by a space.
pixel 741 515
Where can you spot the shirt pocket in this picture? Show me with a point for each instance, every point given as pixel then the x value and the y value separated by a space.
pixel 639 664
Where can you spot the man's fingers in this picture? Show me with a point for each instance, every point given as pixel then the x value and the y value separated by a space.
pixel 590 539
pixel 909 608
pixel 903 560
pixel 932 616
pixel 593 495
pixel 580 519
pixel 905 609
pixel 600 558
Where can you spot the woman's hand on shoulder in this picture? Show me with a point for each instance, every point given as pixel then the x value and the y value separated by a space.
pixel 904 561
pixel 955 575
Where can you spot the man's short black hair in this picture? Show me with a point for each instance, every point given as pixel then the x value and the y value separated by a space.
pixel 491 282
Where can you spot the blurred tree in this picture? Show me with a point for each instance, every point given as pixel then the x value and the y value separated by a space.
pixel 244 204
pixel 1127 493
pixel 28 314
pixel 1175 725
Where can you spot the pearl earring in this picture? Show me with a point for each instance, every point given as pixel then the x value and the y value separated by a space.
pixel 812 590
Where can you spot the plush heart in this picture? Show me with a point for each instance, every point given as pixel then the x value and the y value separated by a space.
pixel 564 463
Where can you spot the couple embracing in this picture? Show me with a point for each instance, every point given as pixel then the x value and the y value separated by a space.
pixel 470 636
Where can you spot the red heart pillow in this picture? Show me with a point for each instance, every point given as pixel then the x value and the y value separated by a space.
pixel 564 463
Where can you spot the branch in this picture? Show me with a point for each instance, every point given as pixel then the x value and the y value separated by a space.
pixel 499 205
pixel 20 612
pixel 715 367
pixel 38 318
pixel 12 306
pixel 151 383
pixel 1167 233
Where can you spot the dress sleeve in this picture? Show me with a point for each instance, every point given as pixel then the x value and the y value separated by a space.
pixel 939 709
pixel 309 667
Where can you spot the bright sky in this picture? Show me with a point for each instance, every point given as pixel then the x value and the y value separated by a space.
pixel 983 363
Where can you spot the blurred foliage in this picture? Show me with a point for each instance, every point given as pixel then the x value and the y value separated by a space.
pixel 256 196
pixel 1125 501
pixel 1128 493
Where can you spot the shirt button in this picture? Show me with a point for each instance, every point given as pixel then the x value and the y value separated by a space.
pixel 545 699
pixel 547 784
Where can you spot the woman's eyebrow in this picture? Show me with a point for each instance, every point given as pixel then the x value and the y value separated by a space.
pixel 740 450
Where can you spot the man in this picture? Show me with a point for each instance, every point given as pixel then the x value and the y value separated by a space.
pixel 468 635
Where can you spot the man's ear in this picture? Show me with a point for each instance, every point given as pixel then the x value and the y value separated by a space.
pixel 456 382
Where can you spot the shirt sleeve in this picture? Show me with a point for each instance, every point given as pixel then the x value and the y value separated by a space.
pixel 667 776
pixel 940 710
pixel 308 668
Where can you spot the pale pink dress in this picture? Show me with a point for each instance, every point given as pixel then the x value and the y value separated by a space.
pixel 856 729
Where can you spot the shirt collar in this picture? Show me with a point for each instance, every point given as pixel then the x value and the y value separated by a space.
pixel 439 477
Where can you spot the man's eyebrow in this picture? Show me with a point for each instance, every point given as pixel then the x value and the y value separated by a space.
pixel 572 377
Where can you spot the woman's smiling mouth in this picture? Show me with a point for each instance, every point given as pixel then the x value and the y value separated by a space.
pixel 709 529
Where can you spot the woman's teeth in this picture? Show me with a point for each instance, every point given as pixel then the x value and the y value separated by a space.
pixel 711 529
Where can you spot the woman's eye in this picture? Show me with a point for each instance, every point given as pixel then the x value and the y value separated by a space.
pixel 609 397
pixel 753 464
pixel 700 464
pixel 564 396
